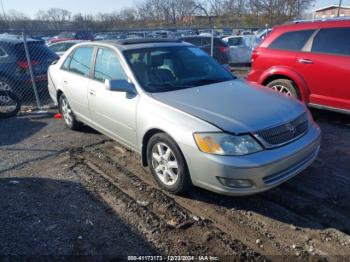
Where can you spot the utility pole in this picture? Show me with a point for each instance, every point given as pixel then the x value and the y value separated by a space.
pixel 340 2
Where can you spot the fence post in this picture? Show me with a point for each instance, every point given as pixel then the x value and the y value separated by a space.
pixel 30 67
pixel 212 42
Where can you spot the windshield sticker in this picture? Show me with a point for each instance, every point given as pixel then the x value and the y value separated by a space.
pixel 197 51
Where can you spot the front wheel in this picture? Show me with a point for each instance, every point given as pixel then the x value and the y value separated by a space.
pixel 68 114
pixel 167 164
pixel 285 87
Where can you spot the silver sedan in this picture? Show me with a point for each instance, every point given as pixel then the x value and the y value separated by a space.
pixel 192 121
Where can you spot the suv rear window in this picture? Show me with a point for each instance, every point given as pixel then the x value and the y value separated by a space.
pixel 332 41
pixel 292 40
pixel 37 51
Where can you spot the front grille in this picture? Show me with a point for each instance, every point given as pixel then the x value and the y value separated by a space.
pixel 284 133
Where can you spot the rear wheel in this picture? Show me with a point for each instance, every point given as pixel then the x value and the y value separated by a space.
pixel 9 104
pixel 68 114
pixel 284 86
pixel 167 164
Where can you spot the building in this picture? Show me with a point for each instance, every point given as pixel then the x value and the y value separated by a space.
pixel 331 11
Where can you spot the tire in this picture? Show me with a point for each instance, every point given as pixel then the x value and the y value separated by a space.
pixel 67 113
pixel 9 104
pixel 284 86
pixel 163 165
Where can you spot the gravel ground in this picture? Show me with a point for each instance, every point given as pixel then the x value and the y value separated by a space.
pixel 66 193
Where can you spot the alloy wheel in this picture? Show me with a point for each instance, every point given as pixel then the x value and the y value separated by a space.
pixel 282 89
pixel 165 164
pixel 67 112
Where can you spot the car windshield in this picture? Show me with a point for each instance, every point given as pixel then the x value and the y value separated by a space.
pixel 172 68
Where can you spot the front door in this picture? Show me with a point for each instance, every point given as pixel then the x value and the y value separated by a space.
pixel 114 112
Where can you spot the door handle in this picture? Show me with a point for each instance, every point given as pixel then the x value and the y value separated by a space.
pixel 305 61
pixel 65 82
pixel 92 92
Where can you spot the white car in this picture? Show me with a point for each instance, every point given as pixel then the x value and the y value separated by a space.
pixel 61 47
pixel 240 48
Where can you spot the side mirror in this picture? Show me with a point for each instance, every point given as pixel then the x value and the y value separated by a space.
pixel 120 85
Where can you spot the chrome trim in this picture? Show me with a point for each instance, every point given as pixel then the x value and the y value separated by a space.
pixel 267 145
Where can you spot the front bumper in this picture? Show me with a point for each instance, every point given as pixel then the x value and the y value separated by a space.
pixel 265 169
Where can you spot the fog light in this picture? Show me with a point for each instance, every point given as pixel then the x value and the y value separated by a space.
pixel 235 183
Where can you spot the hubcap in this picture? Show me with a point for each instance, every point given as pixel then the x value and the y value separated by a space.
pixel 164 164
pixel 67 112
pixel 282 89
pixel 5 99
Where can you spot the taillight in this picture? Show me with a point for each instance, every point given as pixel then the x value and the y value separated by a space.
pixel 25 65
pixel 255 55
pixel 223 49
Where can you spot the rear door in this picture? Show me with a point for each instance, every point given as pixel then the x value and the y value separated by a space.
pixel 114 112
pixel 326 68
pixel 283 50
pixel 76 77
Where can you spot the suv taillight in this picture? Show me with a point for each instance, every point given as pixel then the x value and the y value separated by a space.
pixel 25 65
pixel 223 49
pixel 255 55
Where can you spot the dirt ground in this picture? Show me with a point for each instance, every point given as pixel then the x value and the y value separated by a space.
pixel 66 193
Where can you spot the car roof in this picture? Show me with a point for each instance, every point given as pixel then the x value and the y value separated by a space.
pixel 128 44
pixel 314 24
pixel 69 41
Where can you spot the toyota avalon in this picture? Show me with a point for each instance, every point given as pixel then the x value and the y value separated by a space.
pixel 192 122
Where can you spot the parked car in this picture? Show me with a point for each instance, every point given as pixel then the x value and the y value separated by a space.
pixel 192 122
pixel 77 35
pixel 14 68
pixel 61 47
pixel 241 48
pixel 221 49
pixel 309 61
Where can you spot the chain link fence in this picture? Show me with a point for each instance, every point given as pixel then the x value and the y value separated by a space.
pixel 23 69
pixel 26 56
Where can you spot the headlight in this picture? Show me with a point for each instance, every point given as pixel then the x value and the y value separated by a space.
pixel 226 144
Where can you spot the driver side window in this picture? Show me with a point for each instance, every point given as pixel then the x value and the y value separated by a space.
pixel 108 66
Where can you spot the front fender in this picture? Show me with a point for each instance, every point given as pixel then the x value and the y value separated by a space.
pixel 291 74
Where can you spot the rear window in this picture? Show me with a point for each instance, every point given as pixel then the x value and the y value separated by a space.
pixel 235 41
pixel 332 41
pixel 37 51
pixel 219 42
pixel 293 41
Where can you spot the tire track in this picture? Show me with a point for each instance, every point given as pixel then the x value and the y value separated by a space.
pixel 160 218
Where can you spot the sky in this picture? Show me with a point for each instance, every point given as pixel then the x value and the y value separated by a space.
pixel 31 7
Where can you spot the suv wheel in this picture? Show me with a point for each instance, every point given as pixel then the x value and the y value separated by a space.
pixel 68 114
pixel 5 84
pixel 167 164
pixel 285 87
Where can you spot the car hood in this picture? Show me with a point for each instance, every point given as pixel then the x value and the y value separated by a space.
pixel 234 106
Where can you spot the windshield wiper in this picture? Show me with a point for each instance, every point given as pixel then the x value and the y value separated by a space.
pixel 207 81
pixel 166 87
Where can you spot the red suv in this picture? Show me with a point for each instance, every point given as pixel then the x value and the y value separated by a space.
pixel 307 60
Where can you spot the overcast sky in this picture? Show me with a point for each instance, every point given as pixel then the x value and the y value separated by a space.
pixel 31 7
